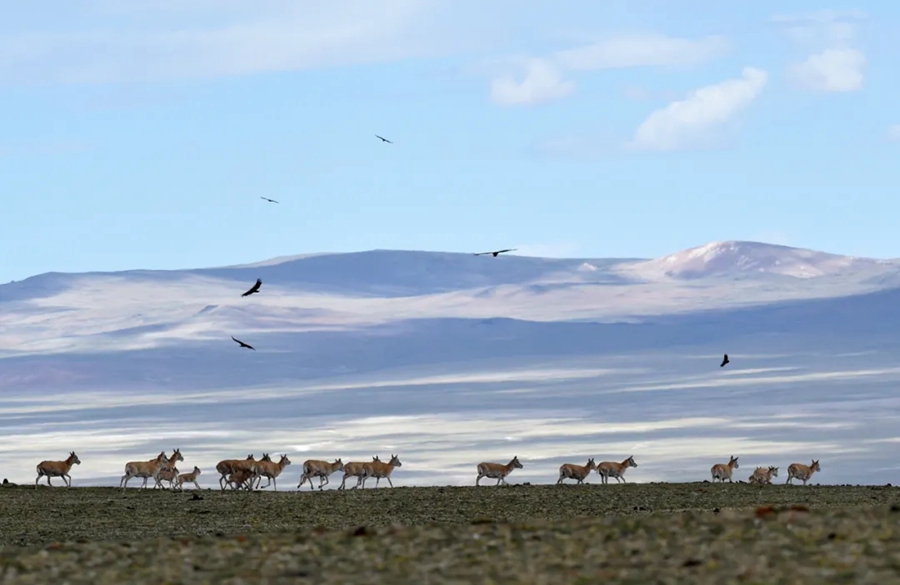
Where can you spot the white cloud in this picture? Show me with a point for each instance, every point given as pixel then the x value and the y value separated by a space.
pixel 643 50
pixel 543 83
pixel 834 64
pixel 894 133
pixel 832 70
pixel 544 79
pixel 695 120
pixel 224 39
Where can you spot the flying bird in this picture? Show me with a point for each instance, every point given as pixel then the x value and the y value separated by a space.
pixel 242 344
pixel 383 139
pixel 724 361
pixel 253 289
pixel 267 199
pixel 494 254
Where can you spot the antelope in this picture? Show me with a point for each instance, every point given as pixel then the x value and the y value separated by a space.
pixel 61 469
pixel 802 472
pixel 608 469
pixel 763 476
pixel 144 469
pixel 188 478
pixel 321 469
pixel 379 470
pixel 148 469
pixel 356 469
pixel 228 466
pixel 165 474
pixel 169 474
pixel 272 470
pixel 497 471
pixel 577 472
pixel 723 471
pixel 240 478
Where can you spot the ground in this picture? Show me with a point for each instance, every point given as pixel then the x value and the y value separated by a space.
pixel 640 533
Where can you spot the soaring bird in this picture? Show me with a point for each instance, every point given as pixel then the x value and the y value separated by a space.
pixel 253 289
pixel 383 139
pixel 242 344
pixel 724 361
pixel 267 199
pixel 494 254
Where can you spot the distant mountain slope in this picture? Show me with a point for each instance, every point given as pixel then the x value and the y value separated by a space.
pixel 399 273
pixel 735 258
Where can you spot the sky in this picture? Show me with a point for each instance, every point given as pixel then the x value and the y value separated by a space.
pixel 142 134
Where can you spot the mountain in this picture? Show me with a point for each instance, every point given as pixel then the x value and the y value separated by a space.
pixel 734 259
pixel 452 359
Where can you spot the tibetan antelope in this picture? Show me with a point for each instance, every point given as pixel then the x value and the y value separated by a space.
pixel 723 471
pixel 61 469
pixel 380 470
pixel 321 469
pixel 576 472
pixel 271 470
pixel 802 472
pixel 188 478
pixel 497 471
pixel 356 469
pixel 228 466
pixel 148 469
pixel 169 474
pixel 241 478
pixel 608 469
pixel 763 476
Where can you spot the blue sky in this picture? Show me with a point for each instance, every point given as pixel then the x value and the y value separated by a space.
pixel 141 134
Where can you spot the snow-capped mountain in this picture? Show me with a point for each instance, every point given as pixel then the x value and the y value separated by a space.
pixel 451 359
pixel 731 259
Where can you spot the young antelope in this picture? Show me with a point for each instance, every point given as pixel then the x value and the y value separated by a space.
pixel 188 478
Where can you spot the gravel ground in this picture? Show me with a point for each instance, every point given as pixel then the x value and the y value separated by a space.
pixel 638 533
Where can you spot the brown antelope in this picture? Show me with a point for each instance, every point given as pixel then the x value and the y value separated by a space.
pixel 271 470
pixel 802 472
pixel 321 469
pixel 169 474
pixel 723 471
pixel 763 476
pixel 608 469
pixel 380 470
pixel 144 469
pixel 228 466
pixel 188 478
pixel 240 479
pixel 497 471
pixel 356 469
pixel 576 472
pixel 148 469
pixel 61 469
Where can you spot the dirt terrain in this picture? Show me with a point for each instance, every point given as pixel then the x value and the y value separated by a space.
pixel 640 533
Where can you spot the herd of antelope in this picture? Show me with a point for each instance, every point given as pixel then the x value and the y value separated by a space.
pixel 247 473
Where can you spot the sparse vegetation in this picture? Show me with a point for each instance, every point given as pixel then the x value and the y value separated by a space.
pixel 696 532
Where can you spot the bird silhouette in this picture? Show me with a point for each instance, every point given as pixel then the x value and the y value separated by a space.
pixel 724 361
pixel 253 289
pixel 242 344
pixel 267 199
pixel 383 139
pixel 495 253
